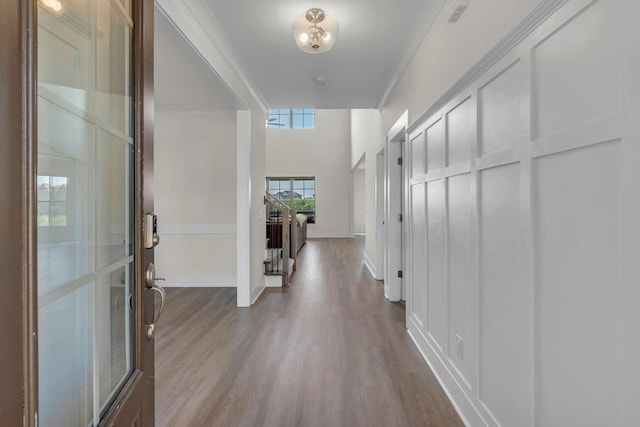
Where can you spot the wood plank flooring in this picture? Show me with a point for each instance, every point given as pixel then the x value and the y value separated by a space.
pixel 328 351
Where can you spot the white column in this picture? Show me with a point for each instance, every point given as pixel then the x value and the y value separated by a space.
pixel 243 202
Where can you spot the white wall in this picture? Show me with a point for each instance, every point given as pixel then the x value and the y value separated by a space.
pixel 367 140
pixel 524 238
pixel 359 201
pixel 325 153
pixel 195 170
pixel 179 83
pixel 225 90
pixel 195 199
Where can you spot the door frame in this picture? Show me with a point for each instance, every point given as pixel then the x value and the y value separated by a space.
pixel 381 234
pixel 18 229
pixel 136 401
pixel 18 343
pixel 394 206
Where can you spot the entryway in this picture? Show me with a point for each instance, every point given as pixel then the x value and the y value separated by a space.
pixel 329 350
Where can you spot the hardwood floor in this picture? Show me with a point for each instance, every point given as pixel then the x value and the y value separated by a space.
pixel 328 351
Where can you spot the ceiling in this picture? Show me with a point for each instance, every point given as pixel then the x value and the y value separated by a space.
pixel 375 43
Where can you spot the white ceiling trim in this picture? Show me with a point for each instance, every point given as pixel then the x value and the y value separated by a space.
pixel 190 29
pixel 167 28
pixel 418 32
pixel 174 14
pixel 212 27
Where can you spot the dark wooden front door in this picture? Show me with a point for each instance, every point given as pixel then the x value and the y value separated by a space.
pixel 76 160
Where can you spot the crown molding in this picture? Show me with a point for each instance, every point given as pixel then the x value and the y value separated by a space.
pixel 212 26
pixel 532 21
pixel 418 32
pixel 191 24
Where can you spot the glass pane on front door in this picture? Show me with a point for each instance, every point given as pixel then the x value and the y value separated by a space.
pixel 84 208
pixel 65 366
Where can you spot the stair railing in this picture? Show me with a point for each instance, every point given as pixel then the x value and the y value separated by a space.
pixel 278 237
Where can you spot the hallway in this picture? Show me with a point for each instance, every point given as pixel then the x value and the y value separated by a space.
pixel 328 351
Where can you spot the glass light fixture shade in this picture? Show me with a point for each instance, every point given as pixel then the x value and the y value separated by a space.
pixel 313 37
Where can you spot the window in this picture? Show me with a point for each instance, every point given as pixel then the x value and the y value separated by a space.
pixel 52 201
pixel 302 191
pixel 291 119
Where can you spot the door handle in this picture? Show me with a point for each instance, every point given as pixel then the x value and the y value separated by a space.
pixel 150 278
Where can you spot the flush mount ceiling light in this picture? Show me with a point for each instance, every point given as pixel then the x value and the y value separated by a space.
pixel 315 32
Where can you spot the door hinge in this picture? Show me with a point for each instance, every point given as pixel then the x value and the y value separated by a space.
pixel 399 217
pixel 399 161
pixel 400 274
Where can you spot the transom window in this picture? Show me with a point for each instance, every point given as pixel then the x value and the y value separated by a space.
pixel 296 118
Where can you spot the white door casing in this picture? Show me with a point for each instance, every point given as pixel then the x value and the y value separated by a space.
pixel 394 209
pixel 380 216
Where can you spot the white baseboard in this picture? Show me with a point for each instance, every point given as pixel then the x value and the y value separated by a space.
pixel 273 281
pixel 199 282
pixel 257 291
pixel 370 266
pixel 380 271
pixel 468 412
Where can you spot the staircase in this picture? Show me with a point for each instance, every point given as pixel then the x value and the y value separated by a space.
pixel 279 259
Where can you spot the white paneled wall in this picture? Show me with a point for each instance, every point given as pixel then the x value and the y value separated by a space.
pixel 522 200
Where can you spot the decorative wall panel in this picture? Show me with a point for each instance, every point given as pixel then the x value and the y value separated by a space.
pixel 436 263
pixel 531 225
pixel 459 271
pixel 500 223
pixel 576 72
pixel 460 132
pixel 418 254
pixel 500 106
pixel 577 286
pixel 435 145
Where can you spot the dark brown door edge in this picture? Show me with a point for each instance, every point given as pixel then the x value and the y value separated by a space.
pixel 17 223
